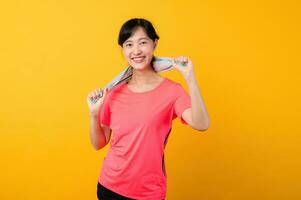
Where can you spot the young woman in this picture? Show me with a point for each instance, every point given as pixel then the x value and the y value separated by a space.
pixel 139 114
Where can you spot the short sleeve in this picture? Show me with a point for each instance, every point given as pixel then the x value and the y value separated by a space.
pixel 105 112
pixel 182 102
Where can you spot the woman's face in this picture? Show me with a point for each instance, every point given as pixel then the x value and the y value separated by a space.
pixel 138 49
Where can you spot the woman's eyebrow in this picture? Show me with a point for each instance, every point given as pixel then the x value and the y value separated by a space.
pixel 138 39
pixel 143 38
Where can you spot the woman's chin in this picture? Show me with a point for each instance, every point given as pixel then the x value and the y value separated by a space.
pixel 138 66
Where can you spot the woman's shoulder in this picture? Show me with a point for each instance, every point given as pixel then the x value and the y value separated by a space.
pixel 173 83
pixel 175 87
pixel 117 87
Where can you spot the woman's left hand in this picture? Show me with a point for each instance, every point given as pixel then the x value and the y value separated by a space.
pixel 184 66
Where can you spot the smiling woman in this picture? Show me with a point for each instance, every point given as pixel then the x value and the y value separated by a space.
pixel 137 36
pixel 139 113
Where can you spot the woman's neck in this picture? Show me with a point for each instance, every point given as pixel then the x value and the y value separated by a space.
pixel 144 77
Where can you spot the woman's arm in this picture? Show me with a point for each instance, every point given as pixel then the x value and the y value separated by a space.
pixel 99 136
pixel 196 116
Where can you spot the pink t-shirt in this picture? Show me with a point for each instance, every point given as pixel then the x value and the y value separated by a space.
pixel 141 123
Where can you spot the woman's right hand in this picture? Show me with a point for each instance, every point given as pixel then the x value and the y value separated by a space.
pixel 95 99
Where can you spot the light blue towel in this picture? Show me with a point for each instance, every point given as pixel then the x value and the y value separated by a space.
pixel 160 64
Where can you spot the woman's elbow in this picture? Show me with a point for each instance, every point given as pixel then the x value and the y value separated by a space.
pixel 97 146
pixel 201 127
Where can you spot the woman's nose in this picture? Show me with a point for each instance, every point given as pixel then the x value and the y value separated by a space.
pixel 136 49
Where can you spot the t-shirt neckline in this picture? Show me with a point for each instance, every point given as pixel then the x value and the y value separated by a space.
pixel 157 87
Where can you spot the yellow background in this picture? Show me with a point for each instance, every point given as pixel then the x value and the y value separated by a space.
pixel 247 60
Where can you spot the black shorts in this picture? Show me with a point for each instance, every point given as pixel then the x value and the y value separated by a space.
pixel 104 193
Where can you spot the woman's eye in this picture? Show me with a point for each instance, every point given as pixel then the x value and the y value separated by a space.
pixel 128 45
pixel 144 42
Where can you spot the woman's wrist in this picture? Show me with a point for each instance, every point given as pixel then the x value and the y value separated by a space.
pixel 93 115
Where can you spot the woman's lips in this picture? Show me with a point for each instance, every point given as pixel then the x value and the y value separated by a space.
pixel 138 59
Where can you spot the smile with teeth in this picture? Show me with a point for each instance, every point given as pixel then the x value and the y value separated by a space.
pixel 138 59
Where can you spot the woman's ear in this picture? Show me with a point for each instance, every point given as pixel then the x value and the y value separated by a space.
pixel 155 43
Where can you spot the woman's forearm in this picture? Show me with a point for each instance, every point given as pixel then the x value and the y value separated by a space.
pixel 200 117
pixel 97 136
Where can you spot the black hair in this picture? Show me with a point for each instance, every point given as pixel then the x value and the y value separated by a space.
pixel 130 26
